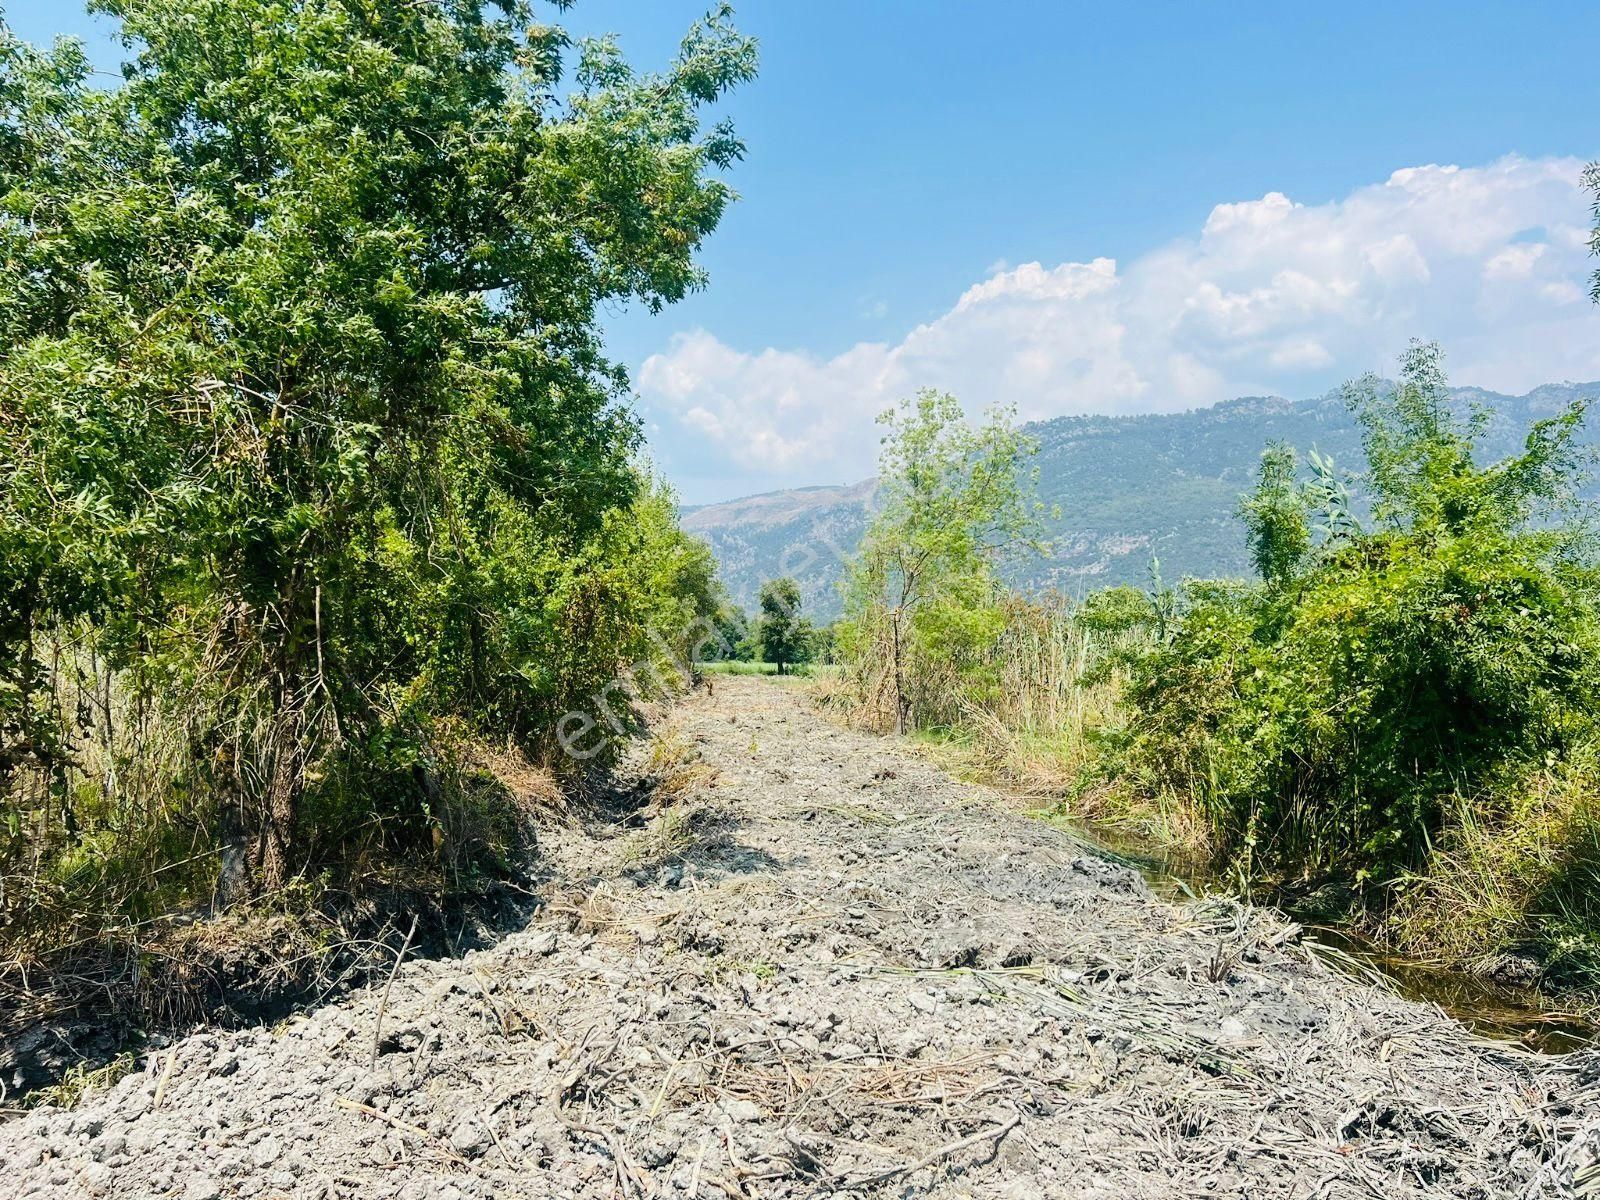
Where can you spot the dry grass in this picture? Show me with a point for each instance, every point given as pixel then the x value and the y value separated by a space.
pixel 112 912
pixel 674 766
pixel 1029 708
pixel 1028 718
pixel 675 823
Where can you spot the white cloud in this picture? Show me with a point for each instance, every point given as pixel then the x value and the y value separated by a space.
pixel 1269 296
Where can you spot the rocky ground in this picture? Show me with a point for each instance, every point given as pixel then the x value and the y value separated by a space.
pixel 804 962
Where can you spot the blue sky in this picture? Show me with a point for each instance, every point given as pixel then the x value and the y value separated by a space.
pixel 909 161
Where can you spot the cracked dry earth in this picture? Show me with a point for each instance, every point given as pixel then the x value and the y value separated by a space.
pixel 808 963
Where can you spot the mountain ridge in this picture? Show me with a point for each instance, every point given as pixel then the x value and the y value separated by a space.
pixel 1130 489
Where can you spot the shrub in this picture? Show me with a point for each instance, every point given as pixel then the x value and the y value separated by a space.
pixel 922 595
pixel 1330 717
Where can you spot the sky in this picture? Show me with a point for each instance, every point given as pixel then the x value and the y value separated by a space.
pixel 1094 208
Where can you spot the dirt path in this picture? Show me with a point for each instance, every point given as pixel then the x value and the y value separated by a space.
pixel 826 969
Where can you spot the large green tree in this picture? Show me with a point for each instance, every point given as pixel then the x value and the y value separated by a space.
pixel 303 404
pixel 785 635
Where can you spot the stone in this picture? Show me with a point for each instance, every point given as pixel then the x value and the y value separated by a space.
pixel 542 944
pixel 469 1137
pixel 265 1152
pixel 908 1043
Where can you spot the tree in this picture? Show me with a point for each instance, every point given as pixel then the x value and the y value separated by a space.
pixel 1274 515
pixel 955 502
pixel 1420 457
pixel 300 367
pixel 785 636
pixel 733 640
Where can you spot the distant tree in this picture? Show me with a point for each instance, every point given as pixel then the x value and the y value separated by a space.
pixel 734 640
pixel 825 643
pixel 786 637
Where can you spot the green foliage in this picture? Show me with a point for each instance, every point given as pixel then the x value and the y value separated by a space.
pixel 733 640
pixel 1116 610
pixel 1330 718
pixel 922 594
pixel 825 644
pixel 307 435
pixel 1274 516
pixel 784 635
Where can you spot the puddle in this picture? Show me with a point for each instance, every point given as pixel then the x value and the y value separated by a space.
pixel 1501 1011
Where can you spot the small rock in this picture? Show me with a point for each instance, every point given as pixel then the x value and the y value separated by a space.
pixel 742 1111
pixel 225 1063
pixel 965 990
pixel 542 944
pixel 911 1042
pixel 469 1137
pixel 444 989
pixel 265 1152
pixel 922 1001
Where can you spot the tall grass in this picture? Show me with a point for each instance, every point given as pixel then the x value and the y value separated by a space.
pixel 1515 872
pixel 1029 709
pixel 108 861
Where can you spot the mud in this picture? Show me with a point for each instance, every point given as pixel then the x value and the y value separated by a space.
pixel 808 963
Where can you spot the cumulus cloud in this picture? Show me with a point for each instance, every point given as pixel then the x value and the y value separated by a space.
pixel 1271 296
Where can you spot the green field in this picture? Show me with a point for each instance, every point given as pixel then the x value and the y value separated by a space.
pixel 732 667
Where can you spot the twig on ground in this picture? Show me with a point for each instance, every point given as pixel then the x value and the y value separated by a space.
pixel 166 1074
pixel 383 1005
pixel 378 1114
pixel 987 1135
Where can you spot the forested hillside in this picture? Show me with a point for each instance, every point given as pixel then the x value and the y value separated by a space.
pixel 1127 488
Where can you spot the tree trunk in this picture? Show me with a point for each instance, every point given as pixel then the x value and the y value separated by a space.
pixel 286 744
pixel 899 678
pixel 283 801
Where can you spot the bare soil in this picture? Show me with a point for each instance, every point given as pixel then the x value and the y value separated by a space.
pixel 801 961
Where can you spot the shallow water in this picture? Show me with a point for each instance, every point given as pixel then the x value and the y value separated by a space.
pixel 1504 1012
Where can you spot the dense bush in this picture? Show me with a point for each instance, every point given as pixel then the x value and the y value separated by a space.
pixel 311 456
pixel 1335 716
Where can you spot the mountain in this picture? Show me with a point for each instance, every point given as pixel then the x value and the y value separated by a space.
pixel 1128 488
pixel 807 533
